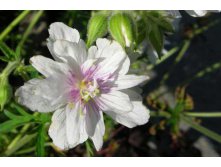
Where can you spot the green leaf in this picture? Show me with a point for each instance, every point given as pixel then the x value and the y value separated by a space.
pixel 141 34
pixel 163 22
pixel 6 50
pixel 40 145
pixel 202 129
pixel 10 115
pixel 20 109
pixel 11 124
pixel 166 25
pixel 156 38
pixel 21 143
pixel 5 59
pixel 97 27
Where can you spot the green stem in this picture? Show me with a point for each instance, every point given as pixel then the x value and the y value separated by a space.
pixel 18 137
pixel 89 149
pixel 202 129
pixel 203 114
pixel 164 57
pixel 34 20
pixel 159 114
pixel 177 60
pixel 9 68
pixel 16 21
pixel 202 73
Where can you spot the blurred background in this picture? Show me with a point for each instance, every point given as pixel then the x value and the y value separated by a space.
pixel 187 81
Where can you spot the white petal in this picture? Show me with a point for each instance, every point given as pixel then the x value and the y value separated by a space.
pixel 40 95
pixel 97 138
pixel 115 101
pixel 138 116
pixel 89 63
pixel 57 130
pixel 95 125
pixel 110 66
pixel 134 94
pixel 48 66
pixel 61 31
pixel 196 13
pixel 92 52
pixel 66 50
pixel 125 66
pixel 75 125
pixel 108 49
pixel 128 81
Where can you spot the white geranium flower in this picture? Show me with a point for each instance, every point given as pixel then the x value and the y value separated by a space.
pixel 193 13
pixel 79 86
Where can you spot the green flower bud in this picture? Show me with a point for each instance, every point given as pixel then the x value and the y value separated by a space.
pixel 5 91
pixel 97 27
pixel 122 29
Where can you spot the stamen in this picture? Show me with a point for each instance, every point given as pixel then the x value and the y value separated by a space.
pixel 89 90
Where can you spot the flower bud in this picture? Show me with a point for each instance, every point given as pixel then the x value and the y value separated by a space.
pixel 97 27
pixel 122 29
pixel 5 91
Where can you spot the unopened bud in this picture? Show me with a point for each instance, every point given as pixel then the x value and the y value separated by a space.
pixel 5 91
pixel 97 27
pixel 122 29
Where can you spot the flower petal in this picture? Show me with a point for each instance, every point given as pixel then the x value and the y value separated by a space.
pixel 38 95
pixel 95 125
pixel 75 125
pixel 57 130
pixel 128 81
pixel 44 95
pixel 97 138
pixel 138 116
pixel 60 31
pixel 115 101
pixel 109 67
pixel 47 66
pixel 66 50
pixel 108 49
pixel 196 13
pixel 92 52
